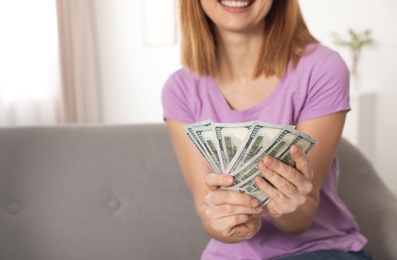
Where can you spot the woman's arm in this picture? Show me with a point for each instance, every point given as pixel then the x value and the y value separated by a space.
pixel 295 197
pixel 227 216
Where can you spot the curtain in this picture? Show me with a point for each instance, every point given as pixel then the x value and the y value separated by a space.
pixel 29 64
pixel 78 51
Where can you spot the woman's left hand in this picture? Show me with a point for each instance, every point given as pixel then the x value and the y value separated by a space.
pixel 291 185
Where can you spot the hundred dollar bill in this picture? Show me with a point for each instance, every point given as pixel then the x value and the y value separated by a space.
pixel 208 140
pixel 253 189
pixel 189 131
pixel 304 142
pixel 237 149
pixel 250 168
pixel 260 136
pixel 200 149
pixel 229 138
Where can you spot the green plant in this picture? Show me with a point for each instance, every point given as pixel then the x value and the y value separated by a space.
pixel 356 42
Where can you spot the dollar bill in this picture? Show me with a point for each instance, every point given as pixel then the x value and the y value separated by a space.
pixel 253 189
pixel 260 135
pixel 304 142
pixel 229 138
pixel 250 168
pixel 190 133
pixel 237 149
pixel 207 138
pixel 201 150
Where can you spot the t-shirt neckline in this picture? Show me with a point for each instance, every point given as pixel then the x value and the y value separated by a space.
pixel 265 102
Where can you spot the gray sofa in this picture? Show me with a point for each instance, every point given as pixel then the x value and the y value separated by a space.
pixel 116 193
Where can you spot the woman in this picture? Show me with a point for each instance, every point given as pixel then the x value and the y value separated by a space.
pixel 252 60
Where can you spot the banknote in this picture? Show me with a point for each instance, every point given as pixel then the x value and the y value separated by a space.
pixel 189 131
pixel 201 150
pixel 260 135
pixel 303 142
pixel 253 189
pixel 229 138
pixel 237 149
pixel 207 138
pixel 250 168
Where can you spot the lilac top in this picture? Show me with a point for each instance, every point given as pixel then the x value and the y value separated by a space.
pixel 319 86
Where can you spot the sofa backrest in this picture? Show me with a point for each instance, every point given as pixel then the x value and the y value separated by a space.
pixel 370 201
pixel 94 193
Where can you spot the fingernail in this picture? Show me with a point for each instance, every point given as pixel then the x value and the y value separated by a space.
pixel 259 179
pixel 258 209
pixel 228 179
pixel 269 160
pixel 262 166
pixel 254 202
pixel 295 149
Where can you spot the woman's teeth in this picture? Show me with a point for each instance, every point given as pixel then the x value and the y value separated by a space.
pixel 235 4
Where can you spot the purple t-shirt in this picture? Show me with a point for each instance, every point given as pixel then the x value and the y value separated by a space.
pixel 318 86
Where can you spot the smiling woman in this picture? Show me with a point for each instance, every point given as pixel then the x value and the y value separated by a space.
pixel 257 61
pixel 29 65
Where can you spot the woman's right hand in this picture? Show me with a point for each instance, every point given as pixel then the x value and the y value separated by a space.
pixel 227 216
pixel 234 215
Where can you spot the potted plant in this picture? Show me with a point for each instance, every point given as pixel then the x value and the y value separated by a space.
pixel 356 42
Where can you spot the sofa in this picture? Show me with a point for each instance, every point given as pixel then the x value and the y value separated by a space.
pixel 115 192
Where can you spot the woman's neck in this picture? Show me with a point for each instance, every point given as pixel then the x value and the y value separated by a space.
pixel 238 55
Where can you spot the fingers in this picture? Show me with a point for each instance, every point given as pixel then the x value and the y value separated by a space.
pixel 243 226
pixel 231 213
pixel 288 179
pixel 231 197
pixel 228 202
pixel 231 202
pixel 236 220
pixel 281 189
pixel 215 180
pixel 302 162
pixel 225 225
pixel 286 186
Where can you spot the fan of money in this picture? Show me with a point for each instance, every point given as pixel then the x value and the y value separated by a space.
pixel 237 149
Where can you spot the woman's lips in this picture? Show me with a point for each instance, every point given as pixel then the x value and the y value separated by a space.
pixel 238 4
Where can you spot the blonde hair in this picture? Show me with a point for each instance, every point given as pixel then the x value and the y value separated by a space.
pixel 286 36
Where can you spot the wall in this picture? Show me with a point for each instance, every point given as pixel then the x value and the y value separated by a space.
pixel 326 17
pixel 373 118
pixel 133 74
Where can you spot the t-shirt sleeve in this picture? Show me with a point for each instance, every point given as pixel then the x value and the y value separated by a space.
pixel 175 100
pixel 328 89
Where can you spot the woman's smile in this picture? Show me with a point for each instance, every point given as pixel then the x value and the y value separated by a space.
pixel 235 6
pixel 237 15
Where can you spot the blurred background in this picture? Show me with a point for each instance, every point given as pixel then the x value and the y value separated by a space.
pixel 105 62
